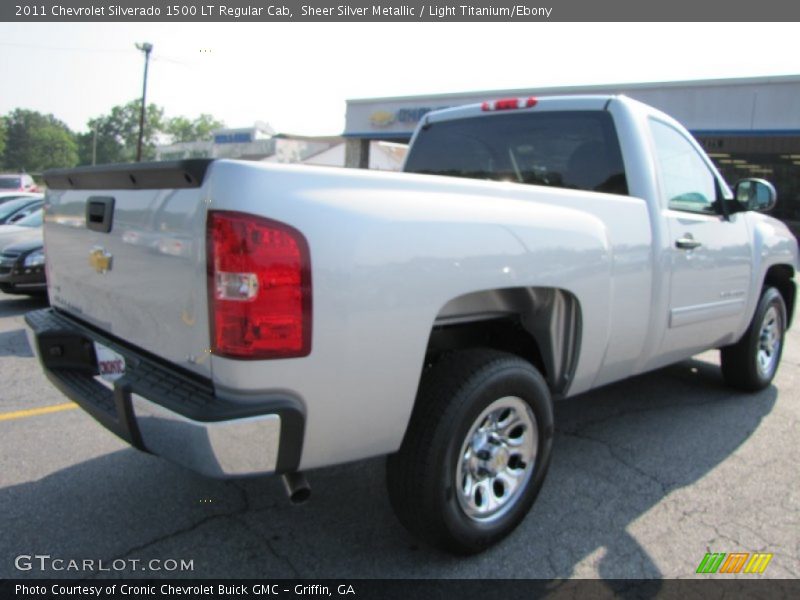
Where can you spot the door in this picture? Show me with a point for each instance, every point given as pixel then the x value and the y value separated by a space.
pixel 709 256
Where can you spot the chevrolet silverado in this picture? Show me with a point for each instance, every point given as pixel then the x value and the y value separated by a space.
pixel 242 318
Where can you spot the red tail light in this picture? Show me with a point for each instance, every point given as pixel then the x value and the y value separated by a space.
pixel 506 104
pixel 509 104
pixel 259 287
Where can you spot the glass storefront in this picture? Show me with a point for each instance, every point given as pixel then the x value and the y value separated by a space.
pixel 775 158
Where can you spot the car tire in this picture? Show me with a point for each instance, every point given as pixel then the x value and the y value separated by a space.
pixel 476 450
pixel 751 363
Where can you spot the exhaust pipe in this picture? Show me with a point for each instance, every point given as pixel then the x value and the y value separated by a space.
pixel 297 487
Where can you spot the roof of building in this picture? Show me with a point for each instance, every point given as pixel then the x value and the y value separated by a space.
pixel 595 88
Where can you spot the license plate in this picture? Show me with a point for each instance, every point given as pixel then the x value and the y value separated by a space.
pixel 110 365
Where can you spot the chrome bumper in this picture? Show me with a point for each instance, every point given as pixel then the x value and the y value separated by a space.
pixel 232 448
pixel 161 410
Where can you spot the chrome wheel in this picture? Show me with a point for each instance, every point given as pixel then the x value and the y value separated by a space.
pixel 769 342
pixel 497 459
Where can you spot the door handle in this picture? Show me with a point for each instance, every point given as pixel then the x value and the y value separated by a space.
pixel 687 242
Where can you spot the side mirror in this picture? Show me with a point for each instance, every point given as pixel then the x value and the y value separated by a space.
pixel 756 194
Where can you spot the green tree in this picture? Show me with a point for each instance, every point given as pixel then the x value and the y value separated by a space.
pixel 113 137
pixel 35 142
pixel 182 129
pixel 125 119
pixel 101 144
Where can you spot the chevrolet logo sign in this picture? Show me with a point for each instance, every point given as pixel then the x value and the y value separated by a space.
pixel 100 260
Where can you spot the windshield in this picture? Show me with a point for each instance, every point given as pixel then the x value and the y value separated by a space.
pixel 570 149
pixel 10 183
pixel 12 206
pixel 32 220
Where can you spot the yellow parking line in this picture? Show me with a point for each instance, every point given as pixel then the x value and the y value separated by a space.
pixel 32 412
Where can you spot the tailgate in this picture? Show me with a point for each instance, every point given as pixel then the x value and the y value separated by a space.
pixel 126 253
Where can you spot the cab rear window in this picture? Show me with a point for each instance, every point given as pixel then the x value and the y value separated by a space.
pixel 576 150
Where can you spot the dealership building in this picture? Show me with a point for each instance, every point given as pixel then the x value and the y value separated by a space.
pixel 749 127
pixel 261 143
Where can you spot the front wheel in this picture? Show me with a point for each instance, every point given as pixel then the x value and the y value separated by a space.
pixel 476 450
pixel 752 362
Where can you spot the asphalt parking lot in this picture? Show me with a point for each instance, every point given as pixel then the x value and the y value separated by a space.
pixel 648 475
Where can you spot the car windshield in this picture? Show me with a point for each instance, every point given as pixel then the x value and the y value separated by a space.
pixel 32 220
pixel 10 183
pixel 9 208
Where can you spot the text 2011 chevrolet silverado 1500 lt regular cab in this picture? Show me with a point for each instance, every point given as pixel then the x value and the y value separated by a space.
pixel 241 318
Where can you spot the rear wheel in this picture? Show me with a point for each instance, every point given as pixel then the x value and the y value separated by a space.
pixel 476 450
pixel 752 362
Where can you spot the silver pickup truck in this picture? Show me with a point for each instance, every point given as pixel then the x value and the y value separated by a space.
pixel 241 319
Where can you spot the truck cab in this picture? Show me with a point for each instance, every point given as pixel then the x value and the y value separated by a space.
pixel 706 244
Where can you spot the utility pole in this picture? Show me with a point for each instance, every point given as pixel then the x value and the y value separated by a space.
pixel 94 145
pixel 147 49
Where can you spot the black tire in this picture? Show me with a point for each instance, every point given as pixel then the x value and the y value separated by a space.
pixel 741 364
pixel 422 476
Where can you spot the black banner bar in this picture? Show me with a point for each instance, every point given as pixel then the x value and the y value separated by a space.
pixel 707 587
pixel 398 10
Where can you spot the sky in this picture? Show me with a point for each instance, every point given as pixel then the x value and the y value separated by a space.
pixel 297 76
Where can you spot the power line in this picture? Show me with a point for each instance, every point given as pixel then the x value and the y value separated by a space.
pixel 161 58
pixel 73 49
pixel 157 57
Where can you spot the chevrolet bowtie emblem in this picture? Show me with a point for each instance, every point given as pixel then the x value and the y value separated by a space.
pixel 100 260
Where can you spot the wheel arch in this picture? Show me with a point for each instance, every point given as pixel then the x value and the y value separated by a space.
pixel 781 277
pixel 540 324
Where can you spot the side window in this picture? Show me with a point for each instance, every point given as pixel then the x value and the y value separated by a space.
pixel 687 183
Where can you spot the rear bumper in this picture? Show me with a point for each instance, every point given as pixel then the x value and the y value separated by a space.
pixel 160 409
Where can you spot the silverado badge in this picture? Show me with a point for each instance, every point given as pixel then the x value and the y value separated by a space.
pixel 99 259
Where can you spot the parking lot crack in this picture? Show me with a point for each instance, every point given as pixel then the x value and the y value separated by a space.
pixel 787 561
pixel 133 551
pixel 267 542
